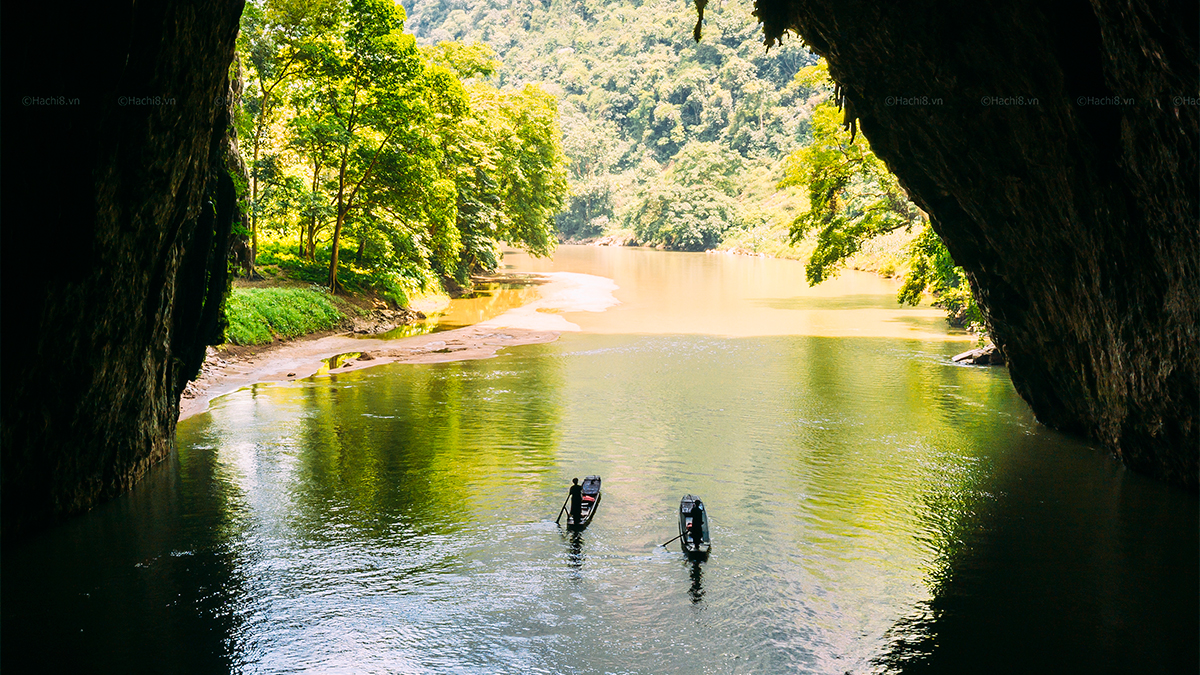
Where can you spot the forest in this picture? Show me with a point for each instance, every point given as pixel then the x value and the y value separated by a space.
pixel 395 149
pixel 386 164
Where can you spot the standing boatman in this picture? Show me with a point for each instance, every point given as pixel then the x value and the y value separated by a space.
pixel 697 524
pixel 576 502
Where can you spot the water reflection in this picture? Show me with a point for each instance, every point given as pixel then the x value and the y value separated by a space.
pixel 1063 590
pixel 96 594
pixel 575 555
pixel 696 591
pixel 336 361
pixel 881 510
pixel 486 301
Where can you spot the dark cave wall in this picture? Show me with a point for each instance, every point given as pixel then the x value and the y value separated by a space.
pixel 117 219
pixel 1054 146
pixel 1077 221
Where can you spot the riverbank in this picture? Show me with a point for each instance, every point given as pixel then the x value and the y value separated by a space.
pixel 230 367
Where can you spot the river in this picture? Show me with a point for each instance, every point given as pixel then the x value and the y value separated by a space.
pixel 874 508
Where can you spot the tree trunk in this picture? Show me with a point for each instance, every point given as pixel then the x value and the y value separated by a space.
pixel 337 228
pixel 312 215
pixel 254 195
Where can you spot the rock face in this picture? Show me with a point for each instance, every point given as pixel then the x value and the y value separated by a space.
pixel 1054 146
pixel 119 205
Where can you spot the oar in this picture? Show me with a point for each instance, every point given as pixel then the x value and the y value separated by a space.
pixel 564 508
pixel 670 540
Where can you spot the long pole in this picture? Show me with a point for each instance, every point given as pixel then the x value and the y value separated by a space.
pixel 564 508
pixel 670 540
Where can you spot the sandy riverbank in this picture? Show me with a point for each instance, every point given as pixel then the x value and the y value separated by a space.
pixel 537 322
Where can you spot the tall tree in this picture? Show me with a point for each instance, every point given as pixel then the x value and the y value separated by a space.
pixel 423 174
pixel 369 95
pixel 507 159
pixel 278 37
pixel 312 136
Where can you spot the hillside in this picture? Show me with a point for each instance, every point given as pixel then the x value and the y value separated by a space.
pixel 639 99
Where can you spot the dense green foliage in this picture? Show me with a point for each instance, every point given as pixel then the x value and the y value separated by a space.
pixel 851 194
pixel 379 281
pixel 412 155
pixel 639 96
pixel 258 316
pixel 426 151
pixel 853 198
pixel 932 270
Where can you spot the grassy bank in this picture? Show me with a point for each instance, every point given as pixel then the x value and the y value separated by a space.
pixel 259 315
pixel 395 285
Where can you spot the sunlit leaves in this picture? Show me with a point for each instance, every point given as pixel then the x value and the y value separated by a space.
pixel 511 172
pixel 852 195
pixel 476 60
pixel 683 218
pixel 932 270
pixel 385 146
pixel 643 87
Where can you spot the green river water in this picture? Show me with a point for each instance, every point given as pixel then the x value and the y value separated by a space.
pixel 874 508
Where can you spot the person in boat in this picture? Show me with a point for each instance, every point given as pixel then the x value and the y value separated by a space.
pixel 576 501
pixel 697 526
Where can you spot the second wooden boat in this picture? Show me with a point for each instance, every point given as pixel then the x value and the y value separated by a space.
pixel 591 500
pixel 693 536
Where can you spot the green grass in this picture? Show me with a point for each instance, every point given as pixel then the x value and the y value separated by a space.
pixel 395 285
pixel 259 315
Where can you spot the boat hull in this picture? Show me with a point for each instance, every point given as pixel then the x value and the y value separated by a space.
pixel 694 549
pixel 591 502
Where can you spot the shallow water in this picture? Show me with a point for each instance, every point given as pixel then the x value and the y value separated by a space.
pixel 874 508
pixel 486 301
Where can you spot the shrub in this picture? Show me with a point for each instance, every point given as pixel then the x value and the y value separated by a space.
pixel 680 218
pixel 392 284
pixel 259 315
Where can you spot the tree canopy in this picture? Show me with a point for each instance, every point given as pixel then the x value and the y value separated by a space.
pixel 521 123
pixel 412 153
pixel 636 90
pixel 853 198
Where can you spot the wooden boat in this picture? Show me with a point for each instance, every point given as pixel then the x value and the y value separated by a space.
pixel 693 549
pixel 591 500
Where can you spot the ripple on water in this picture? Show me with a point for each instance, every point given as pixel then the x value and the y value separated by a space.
pixel 406 523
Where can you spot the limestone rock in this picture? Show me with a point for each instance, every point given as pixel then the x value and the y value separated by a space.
pixel 121 165
pixel 1055 147
pixel 988 355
